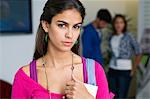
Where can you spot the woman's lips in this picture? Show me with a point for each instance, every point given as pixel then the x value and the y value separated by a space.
pixel 68 44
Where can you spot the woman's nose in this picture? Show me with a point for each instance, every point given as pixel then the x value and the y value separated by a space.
pixel 69 34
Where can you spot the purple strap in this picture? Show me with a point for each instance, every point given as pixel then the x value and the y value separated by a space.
pixel 84 70
pixel 33 72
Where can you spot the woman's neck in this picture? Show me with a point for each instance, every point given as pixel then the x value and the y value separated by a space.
pixel 119 33
pixel 57 58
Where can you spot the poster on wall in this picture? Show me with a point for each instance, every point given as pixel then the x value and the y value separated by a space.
pixel 15 17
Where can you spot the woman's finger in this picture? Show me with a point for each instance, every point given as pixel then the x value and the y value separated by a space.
pixel 69 96
pixel 69 92
pixel 75 79
pixel 69 88
pixel 70 83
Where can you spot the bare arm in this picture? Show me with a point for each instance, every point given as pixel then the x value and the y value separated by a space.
pixel 136 62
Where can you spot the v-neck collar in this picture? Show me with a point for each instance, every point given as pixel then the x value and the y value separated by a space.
pixel 44 89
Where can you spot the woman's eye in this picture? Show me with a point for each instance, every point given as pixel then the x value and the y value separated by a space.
pixel 77 27
pixel 61 25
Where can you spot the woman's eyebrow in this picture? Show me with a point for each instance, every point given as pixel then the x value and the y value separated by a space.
pixel 68 23
pixel 62 22
pixel 80 23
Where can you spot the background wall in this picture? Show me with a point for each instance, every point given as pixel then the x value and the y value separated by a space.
pixel 17 50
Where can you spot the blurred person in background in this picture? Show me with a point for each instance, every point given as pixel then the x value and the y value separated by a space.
pixel 91 36
pixel 124 48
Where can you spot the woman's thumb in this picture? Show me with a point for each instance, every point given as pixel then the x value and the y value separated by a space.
pixel 74 78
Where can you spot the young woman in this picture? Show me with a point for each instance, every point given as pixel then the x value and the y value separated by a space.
pixel 123 48
pixel 56 72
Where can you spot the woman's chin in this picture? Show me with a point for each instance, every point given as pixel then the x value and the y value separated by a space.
pixel 65 49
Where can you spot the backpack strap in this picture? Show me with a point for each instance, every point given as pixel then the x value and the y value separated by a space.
pixel 84 70
pixel 90 67
pixel 33 72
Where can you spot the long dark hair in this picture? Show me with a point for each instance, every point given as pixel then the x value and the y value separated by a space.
pixel 51 9
pixel 124 20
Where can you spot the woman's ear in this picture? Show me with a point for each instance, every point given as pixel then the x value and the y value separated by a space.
pixel 45 26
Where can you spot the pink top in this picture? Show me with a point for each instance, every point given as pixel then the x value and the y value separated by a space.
pixel 26 88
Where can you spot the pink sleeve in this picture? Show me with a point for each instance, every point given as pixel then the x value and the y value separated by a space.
pixel 101 81
pixel 18 91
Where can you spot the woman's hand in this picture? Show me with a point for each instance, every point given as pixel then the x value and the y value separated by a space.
pixel 133 72
pixel 76 90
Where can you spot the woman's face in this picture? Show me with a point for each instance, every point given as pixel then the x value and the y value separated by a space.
pixel 119 25
pixel 64 29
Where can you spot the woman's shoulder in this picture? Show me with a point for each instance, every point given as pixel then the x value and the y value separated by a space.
pixel 26 69
pixel 22 73
pixel 97 65
pixel 77 59
pixel 92 60
pixel 128 34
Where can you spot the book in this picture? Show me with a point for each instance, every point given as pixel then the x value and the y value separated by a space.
pixel 92 89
